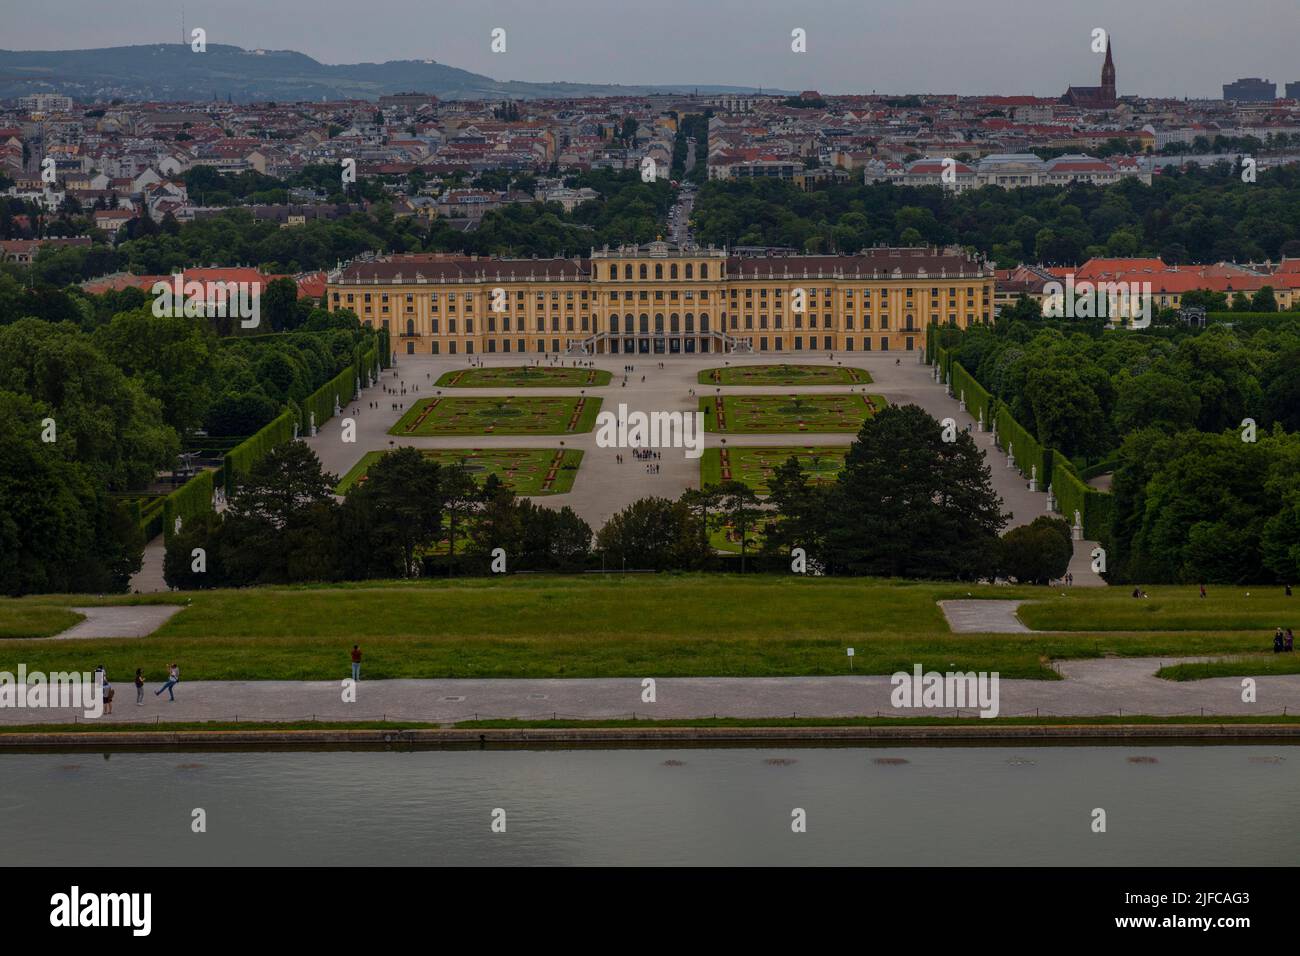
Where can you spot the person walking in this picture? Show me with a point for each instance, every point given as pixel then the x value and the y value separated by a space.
pixel 173 678
pixel 356 662
pixel 1202 590
pixel 139 687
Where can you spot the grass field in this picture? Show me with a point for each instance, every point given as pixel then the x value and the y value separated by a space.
pixel 1168 608
pixel 772 414
pixel 670 625
pixel 754 466
pixel 784 375
pixel 19 619
pixel 525 471
pixel 507 415
pixel 524 376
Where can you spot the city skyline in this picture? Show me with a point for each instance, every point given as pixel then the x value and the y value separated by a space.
pixel 850 49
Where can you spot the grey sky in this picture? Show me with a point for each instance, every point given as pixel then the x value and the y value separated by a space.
pixel 1162 47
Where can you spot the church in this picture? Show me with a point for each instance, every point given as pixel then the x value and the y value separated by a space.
pixel 1096 97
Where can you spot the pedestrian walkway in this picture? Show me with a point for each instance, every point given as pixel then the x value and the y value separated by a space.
pixel 127 620
pixel 983 617
pixel 1109 686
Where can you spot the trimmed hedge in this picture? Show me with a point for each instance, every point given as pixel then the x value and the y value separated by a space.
pixel 321 402
pixel 978 400
pixel 241 459
pixel 188 501
pixel 1096 508
pixel 1025 449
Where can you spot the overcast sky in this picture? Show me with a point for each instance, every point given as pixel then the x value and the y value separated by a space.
pixel 1162 47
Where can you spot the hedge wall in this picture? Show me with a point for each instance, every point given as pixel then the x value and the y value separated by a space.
pixel 1029 454
pixel 1095 507
pixel 241 459
pixel 321 402
pixel 188 501
pixel 977 397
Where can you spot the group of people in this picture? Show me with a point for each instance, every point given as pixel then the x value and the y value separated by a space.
pixel 1283 641
pixel 108 693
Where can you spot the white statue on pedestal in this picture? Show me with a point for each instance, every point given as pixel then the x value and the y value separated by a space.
pixel 311 424
pixel 1077 531
pixel 1033 477
pixel 1011 455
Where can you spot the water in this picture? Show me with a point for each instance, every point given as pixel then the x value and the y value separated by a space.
pixel 1194 805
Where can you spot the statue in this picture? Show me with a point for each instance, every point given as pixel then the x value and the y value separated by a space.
pixel 1033 477
pixel 295 431
pixel 1051 498
pixel 1077 531
pixel 1011 455
pixel 311 424
pixel 962 403
pixel 980 423
pixel 336 404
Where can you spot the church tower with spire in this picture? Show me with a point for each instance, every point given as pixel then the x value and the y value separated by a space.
pixel 1108 77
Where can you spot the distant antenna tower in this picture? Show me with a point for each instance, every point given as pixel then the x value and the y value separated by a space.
pixel 182 24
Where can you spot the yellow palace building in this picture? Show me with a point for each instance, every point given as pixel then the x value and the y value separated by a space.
pixel 664 299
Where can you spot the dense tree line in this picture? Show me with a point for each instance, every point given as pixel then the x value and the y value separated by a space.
pixel 1197 215
pixel 1082 390
pixel 410 516
pixel 1195 499
pixel 92 413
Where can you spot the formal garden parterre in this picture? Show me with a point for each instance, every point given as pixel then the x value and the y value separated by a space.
pixel 525 376
pixel 532 472
pixel 770 414
pixel 785 375
pixel 504 415
pixel 755 465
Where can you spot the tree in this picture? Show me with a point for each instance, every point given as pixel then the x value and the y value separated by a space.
pixel 403 496
pixel 650 534
pixel 285 504
pixel 909 504
pixel 1038 552
pixel 279 304
pixel 738 509
pixel 460 498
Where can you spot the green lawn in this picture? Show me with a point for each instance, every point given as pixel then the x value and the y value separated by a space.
pixel 754 465
pixel 507 415
pixel 784 375
pixel 525 471
pixel 524 376
pixel 587 626
pixel 19 619
pixel 1168 608
pixel 771 414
